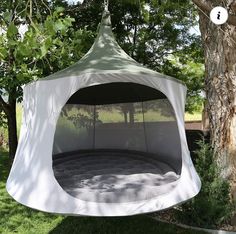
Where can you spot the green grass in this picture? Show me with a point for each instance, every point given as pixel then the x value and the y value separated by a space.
pixel 16 218
pixel 118 117
pixel 18 117
pixel 107 116
pixel 196 116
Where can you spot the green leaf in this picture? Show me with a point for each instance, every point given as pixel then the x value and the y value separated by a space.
pixel 3 53
pixel 59 9
pixel 43 49
pixel 48 42
pixel 59 26
pixel 24 50
pixel 12 30
pixel 12 43
pixel 68 21
pixel 49 26
pixel 33 43
pixel 7 16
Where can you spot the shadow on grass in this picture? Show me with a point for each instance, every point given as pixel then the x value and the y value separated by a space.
pixel 5 164
pixel 16 218
pixel 125 225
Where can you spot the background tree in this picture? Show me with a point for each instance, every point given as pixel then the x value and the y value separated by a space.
pixel 48 44
pixel 220 84
pixel 152 32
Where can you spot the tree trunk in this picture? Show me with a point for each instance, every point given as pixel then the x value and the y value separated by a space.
pixel 205 119
pixel 131 113
pixel 220 83
pixel 12 129
pixel 125 117
pixel 10 111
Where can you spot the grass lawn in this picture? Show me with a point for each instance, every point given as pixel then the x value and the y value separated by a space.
pixel 16 218
pixel 196 116
pixel 108 116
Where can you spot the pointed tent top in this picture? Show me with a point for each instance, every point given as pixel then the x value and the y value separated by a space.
pixel 106 18
pixel 106 56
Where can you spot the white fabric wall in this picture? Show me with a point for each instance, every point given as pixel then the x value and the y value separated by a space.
pixel 32 175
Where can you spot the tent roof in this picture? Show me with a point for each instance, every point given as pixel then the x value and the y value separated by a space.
pixel 106 56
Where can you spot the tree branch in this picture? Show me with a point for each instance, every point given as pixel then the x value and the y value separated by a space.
pixel 206 7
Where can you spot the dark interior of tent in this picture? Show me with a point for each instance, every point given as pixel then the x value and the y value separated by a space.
pixel 117 142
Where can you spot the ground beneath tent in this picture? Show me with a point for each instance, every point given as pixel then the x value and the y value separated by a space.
pixel 113 177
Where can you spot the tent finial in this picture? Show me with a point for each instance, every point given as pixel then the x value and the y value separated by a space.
pixel 106 4
pixel 106 19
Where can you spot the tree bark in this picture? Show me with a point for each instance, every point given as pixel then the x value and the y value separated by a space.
pixel 10 111
pixel 206 6
pixel 12 131
pixel 220 85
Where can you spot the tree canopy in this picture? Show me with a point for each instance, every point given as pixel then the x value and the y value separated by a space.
pixel 41 37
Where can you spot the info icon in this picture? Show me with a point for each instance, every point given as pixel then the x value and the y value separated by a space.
pixel 219 15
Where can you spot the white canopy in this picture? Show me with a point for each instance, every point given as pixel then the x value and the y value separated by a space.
pixel 32 180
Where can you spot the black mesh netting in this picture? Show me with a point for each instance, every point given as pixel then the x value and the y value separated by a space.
pixel 117 152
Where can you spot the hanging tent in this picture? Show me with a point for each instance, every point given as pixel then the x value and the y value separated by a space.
pixel 104 137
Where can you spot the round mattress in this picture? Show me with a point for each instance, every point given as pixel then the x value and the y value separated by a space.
pixel 113 177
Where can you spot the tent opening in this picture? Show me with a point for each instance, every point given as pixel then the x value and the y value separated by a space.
pixel 117 142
